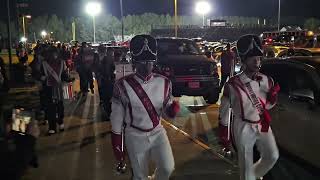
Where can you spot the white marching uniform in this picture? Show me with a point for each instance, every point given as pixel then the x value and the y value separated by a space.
pixel 145 137
pixel 246 125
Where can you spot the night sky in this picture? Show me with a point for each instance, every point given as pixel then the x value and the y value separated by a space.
pixel 261 8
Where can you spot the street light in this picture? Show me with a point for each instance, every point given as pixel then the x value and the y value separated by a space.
pixel 93 9
pixel 23 39
pixel 203 8
pixel 43 34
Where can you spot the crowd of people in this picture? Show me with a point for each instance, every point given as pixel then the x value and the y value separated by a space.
pixel 51 67
pixel 136 103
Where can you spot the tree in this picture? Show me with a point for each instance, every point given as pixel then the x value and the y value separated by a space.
pixel 4 31
pixel 312 24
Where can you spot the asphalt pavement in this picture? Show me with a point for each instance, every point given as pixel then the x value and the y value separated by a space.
pixel 83 151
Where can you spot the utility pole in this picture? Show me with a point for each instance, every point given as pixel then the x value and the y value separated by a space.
pixel 9 36
pixel 175 19
pixel 279 10
pixel 23 26
pixel 122 23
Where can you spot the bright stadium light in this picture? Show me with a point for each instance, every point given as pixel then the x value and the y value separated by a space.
pixel 23 39
pixel 93 9
pixel 43 33
pixel 203 8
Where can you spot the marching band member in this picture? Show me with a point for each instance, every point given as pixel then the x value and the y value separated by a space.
pixel 139 100
pixel 250 95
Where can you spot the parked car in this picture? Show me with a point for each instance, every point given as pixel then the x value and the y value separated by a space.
pixel 296 117
pixel 299 52
pixel 190 71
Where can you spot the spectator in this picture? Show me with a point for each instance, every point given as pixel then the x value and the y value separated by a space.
pixel 17 151
pixel 52 73
pixel 227 64
pixel 85 65
pixel 22 53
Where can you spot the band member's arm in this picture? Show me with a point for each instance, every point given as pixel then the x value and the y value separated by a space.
pixel 117 122
pixel 272 95
pixel 171 107
pixel 224 111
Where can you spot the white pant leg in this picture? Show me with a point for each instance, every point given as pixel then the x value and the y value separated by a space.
pixel 161 154
pixel 269 153
pixel 138 149
pixel 245 137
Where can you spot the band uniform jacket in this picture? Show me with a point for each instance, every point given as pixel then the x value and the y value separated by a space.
pixel 128 110
pixel 234 96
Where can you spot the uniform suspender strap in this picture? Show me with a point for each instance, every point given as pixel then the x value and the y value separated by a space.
pixel 47 68
pixel 147 103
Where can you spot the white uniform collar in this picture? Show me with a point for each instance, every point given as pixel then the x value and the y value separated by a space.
pixel 245 79
pixel 142 79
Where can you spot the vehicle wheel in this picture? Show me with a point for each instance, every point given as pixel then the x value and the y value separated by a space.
pixel 213 97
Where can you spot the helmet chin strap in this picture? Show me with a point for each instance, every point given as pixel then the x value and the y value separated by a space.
pixel 251 74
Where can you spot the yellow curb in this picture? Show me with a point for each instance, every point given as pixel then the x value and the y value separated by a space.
pixel 19 90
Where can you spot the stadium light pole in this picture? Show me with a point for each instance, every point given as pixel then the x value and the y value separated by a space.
pixel 175 19
pixel 9 38
pixel 122 25
pixel 203 8
pixel 24 23
pixel 93 9
pixel 279 13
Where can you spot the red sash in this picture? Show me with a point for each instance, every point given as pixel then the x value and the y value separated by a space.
pixel 258 103
pixel 144 98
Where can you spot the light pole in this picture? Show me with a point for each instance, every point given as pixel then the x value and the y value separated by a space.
pixel 9 37
pixel 203 8
pixel 279 10
pixel 93 9
pixel 24 23
pixel 175 19
pixel 122 25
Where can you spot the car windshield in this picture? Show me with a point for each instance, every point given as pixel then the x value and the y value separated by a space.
pixel 178 47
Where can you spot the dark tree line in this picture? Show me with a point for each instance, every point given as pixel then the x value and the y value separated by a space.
pixel 108 26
